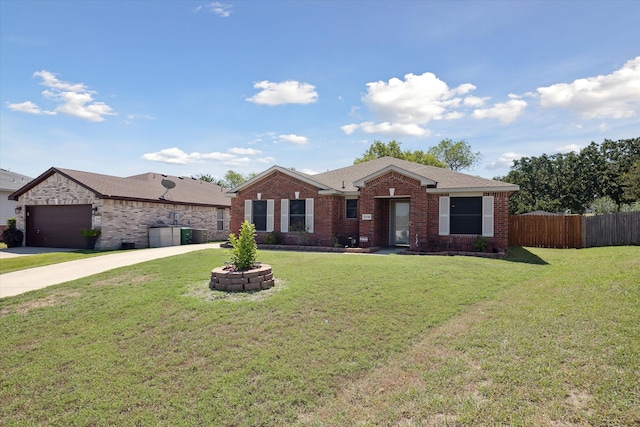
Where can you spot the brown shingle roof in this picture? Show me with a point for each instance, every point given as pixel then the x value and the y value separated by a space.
pixel 343 179
pixel 147 187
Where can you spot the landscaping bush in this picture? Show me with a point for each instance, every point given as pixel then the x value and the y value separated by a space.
pixel 273 238
pixel 244 251
pixel 12 237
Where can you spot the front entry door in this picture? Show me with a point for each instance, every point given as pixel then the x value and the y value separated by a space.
pixel 399 226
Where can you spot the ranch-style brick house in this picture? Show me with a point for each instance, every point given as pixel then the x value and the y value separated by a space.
pixel 380 203
pixel 55 206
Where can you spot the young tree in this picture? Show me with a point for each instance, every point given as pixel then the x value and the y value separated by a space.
pixel 456 155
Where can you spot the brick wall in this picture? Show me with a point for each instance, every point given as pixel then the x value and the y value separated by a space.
pixel 499 241
pixel 129 221
pixel 375 198
pixel 278 186
pixel 121 220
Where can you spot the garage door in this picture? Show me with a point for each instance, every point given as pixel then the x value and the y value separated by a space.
pixel 57 226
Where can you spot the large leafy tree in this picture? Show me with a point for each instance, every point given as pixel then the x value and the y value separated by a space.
pixel 573 181
pixel 456 155
pixel 393 148
pixel 631 183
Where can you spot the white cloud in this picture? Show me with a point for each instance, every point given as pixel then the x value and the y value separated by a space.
pixel 568 148
pixel 177 156
pixel 233 157
pixel 615 95
pixel 294 139
pixel 506 112
pixel 73 99
pixel 387 128
pixel 287 92
pixel 244 151
pixel 403 107
pixel 30 108
pixel 349 129
pixel 218 8
pixel 474 101
pixel 504 161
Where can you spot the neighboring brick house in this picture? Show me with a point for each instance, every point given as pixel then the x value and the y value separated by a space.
pixel 53 208
pixel 380 203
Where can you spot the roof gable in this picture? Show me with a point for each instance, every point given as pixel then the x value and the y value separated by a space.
pixel 309 179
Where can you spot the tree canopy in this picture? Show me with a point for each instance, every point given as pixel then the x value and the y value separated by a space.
pixel 231 178
pixel 393 149
pixel 456 155
pixel 574 181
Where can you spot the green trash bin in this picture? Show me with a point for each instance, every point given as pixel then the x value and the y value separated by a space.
pixel 185 235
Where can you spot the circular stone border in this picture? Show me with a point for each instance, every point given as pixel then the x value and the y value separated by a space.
pixel 254 279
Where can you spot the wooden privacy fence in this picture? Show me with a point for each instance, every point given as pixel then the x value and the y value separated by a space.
pixel 574 231
pixel 545 231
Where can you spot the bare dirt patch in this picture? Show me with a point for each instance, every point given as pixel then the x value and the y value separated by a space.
pixel 48 301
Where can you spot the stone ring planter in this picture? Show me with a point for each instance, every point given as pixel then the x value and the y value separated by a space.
pixel 254 279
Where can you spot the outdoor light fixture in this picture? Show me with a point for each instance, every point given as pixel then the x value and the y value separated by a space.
pixel 18 210
pixel 95 210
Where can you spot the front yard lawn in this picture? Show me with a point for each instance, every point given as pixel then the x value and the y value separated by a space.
pixel 550 337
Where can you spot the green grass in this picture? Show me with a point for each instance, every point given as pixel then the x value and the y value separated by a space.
pixel 551 337
pixel 30 261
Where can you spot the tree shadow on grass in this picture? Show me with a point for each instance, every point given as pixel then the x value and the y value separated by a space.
pixel 520 254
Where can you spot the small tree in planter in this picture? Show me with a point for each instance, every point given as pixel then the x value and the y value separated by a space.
pixel 12 236
pixel 244 274
pixel 244 252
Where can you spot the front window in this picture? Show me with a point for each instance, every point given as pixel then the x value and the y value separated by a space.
pixel 352 208
pixel 260 215
pixel 220 219
pixel 465 215
pixel 297 215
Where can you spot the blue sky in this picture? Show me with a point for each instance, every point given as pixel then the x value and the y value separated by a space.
pixel 189 87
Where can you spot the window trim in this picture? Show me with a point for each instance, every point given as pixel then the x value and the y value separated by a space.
pixel 346 209
pixel 487 216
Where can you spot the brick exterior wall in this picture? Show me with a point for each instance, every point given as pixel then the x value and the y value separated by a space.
pixel 375 198
pixel 121 220
pixel 328 210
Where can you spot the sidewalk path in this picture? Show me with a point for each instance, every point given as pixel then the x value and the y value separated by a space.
pixel 22 281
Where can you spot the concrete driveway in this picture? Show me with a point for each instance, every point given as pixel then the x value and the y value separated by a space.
pixel 22 281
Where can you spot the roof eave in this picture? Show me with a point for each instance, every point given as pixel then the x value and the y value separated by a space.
pixel 503 189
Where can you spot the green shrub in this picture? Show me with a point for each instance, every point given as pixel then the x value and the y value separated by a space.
pixel 90 232
pixel 244 252
pixel 273 238
pixel 480 244
pixel 12 237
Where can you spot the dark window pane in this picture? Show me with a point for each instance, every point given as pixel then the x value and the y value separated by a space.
pixel 352 208
pixel 297 215
pixel 260 215
pixel 465 215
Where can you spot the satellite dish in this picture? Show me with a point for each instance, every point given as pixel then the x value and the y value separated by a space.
pixel 168 184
